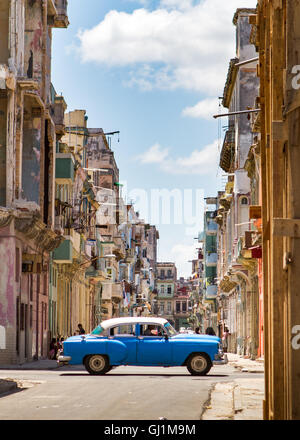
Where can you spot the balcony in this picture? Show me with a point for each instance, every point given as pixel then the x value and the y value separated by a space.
pixel 64 168
pixel 211 228
pixel 64 253
pixel 181 313
pixel 58 114
pixel 228 151
pixel 95 274
pixel 211 292
pixel 61 19
pixel 201 237
pixel 106 291
pixel 211 259
pixel 129 255
pixel 117 293
pixel 59 224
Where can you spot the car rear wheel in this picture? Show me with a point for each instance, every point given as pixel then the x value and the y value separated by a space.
pixel 199 364
pixel 97 364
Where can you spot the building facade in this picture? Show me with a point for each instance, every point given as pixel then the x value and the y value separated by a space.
pixel 238 239
pixel 166 289
pixel 29 127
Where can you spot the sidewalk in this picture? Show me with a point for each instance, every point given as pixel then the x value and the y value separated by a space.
pixel 8 385
pixel 241 399
pixel 245 365
pixel 41 364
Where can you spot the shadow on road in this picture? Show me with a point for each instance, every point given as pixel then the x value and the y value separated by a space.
pixel 145 375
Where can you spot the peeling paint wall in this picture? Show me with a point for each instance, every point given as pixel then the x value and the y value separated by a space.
pixel 33 40
pixel 31 165
pixel 7 254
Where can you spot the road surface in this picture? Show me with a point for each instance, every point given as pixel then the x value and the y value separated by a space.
pixel 125 393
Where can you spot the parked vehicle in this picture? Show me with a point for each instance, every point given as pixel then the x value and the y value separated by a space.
pixel 141 341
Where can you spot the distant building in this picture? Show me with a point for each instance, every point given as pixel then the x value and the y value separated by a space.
pixel 166 276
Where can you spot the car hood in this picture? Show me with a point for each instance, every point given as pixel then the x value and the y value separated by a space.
pixel 196 336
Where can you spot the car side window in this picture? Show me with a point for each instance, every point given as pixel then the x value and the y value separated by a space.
pixel 152 330
pixel 123 330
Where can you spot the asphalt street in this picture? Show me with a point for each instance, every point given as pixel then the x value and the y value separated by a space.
pixel 125 393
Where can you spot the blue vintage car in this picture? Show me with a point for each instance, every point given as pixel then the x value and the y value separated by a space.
pixel 141 341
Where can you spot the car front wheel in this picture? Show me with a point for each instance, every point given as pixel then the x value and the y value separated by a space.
pixel 199 364
pixel 97 364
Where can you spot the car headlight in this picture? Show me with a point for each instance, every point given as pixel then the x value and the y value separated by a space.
pixel 221 348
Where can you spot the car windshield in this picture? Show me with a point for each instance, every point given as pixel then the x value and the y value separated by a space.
pixel 170 330
pixel 98 330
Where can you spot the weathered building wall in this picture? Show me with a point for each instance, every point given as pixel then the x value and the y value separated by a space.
pixel 27 168
pixel 278 41
pixel 238 274
pixel 31 157
pixel 7 294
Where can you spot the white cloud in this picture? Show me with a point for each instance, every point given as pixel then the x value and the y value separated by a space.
pixel 204 109
pixel 182 46
pixel 177 4
pixel 155 154
pixel 199 162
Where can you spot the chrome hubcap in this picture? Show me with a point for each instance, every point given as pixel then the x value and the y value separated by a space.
pixel 199 363
pixel 97 363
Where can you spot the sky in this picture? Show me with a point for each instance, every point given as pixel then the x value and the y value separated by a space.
pixel 154 70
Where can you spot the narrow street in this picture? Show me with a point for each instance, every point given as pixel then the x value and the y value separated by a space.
pixel 126 393
pixel 149 211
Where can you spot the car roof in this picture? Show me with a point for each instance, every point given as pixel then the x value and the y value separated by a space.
pixel 132 320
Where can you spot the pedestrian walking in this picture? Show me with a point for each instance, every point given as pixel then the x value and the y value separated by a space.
pixel 197 330
pixel 53 349
pixel 225 339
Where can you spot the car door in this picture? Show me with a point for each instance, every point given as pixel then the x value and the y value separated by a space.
pixel 126 334
pixel 154 349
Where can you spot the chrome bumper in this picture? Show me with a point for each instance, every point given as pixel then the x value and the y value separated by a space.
pixel 220 360
pixel 63 360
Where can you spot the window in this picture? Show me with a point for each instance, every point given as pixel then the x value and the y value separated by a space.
pixel 162 289
pixel 178 308
pixel 244 201
pixel 169 290
pixel 169 307
pixel 38 283
pixel 31 287
pixel 152 330
pixel 169 273
pixel 123 330
pixel 22 317
pixel 184 307
pixel 162 274
pixel 45 284
pixel 45 316
pixel 17 264
pixel 30 317
pixel 162 308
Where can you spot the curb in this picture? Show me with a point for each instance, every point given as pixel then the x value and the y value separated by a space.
pixel 7 386
pixel 221 404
